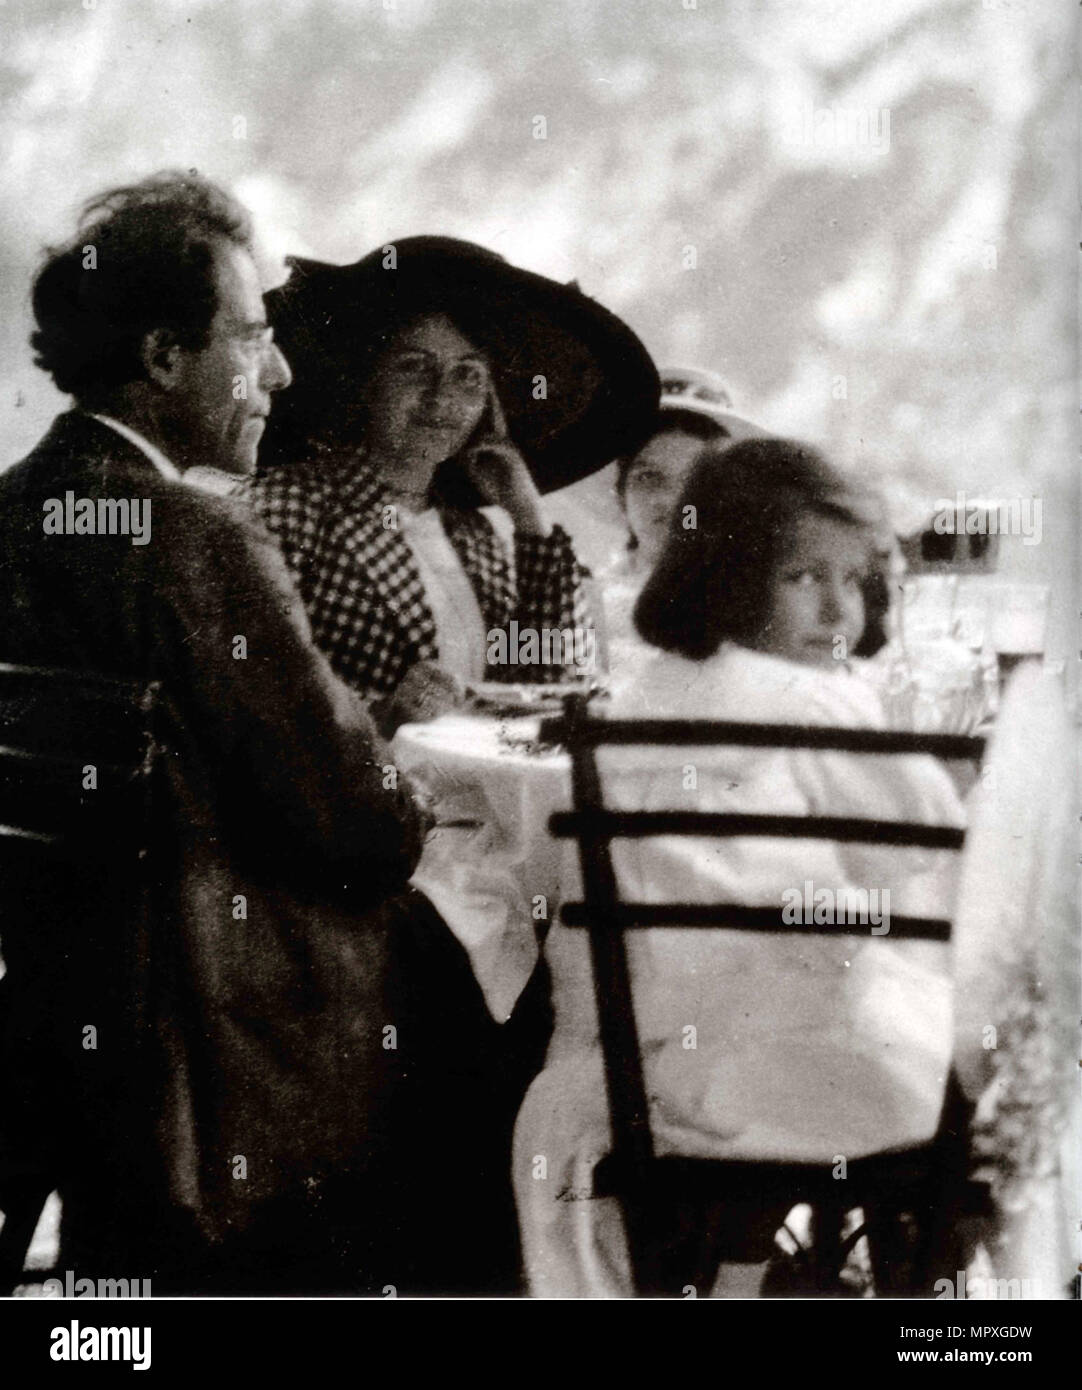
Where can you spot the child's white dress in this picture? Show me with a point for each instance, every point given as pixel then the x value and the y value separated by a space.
pixel 756 1046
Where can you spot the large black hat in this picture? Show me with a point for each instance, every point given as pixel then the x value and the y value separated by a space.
pixel 600 390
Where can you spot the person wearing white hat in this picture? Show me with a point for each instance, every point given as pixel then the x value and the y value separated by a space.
pixel 695 409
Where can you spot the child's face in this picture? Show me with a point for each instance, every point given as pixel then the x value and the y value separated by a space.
pixel 815 593
pixel 654 483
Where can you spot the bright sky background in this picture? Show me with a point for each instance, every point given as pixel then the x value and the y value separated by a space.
pixel 908 300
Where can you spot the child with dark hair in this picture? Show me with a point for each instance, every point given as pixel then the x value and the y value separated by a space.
pixel 772 548
pixel 695 410
pixel 789 1046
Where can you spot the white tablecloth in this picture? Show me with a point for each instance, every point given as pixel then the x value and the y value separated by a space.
pixel 497 880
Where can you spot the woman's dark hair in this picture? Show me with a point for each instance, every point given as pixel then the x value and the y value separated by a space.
pixel 712 581
pixel 144 259
pixel 303 424
pixel 691 422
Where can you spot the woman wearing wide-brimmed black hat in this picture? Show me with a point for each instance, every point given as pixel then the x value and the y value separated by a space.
pixel 432 378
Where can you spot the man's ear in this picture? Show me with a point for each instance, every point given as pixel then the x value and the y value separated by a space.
pixel 161 357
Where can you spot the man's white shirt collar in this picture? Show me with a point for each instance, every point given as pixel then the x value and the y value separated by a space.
pixel 164 466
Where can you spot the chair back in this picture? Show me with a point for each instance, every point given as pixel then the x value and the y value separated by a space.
pixel 595 826
pixel 77 759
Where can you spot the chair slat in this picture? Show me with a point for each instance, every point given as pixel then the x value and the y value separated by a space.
pixel 15 832
pixel 691 733
pixel 632 1140
pixel 57 765
pixel 696 916
pixel 121 688
pixel 606 825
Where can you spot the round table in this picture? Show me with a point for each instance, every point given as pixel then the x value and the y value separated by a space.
pixel 490 865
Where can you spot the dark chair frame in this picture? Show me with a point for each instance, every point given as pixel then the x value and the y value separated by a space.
pixel 53 723
pixel 930 1179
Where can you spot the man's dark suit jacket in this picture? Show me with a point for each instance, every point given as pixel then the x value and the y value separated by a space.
pixel 274 1068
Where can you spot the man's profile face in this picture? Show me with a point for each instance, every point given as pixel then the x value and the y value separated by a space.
pixel 222 394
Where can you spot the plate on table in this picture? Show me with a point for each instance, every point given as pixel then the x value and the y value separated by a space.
pixel 499 698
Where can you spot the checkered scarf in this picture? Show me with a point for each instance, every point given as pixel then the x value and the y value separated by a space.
pixel 364 594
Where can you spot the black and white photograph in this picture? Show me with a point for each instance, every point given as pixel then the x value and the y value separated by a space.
pixel 539 661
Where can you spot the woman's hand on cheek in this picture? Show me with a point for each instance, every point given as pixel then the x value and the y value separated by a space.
pixel 499 472
pixel 426 692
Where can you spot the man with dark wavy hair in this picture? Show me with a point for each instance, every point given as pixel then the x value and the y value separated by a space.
pixel 249 1156
pixel 152 317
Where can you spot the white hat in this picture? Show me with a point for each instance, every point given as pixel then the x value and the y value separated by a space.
pixel 700 392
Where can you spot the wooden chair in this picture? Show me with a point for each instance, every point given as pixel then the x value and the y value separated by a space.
pixel 908 1198
pixel 77 758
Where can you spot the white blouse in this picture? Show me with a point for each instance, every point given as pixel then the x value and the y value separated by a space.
pixel 460 628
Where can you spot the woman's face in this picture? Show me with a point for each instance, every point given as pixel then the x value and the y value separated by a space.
pixel 426 394
pixel 816 598
pixel 653 486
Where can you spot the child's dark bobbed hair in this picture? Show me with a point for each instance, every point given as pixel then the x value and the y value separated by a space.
pixel 739 507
